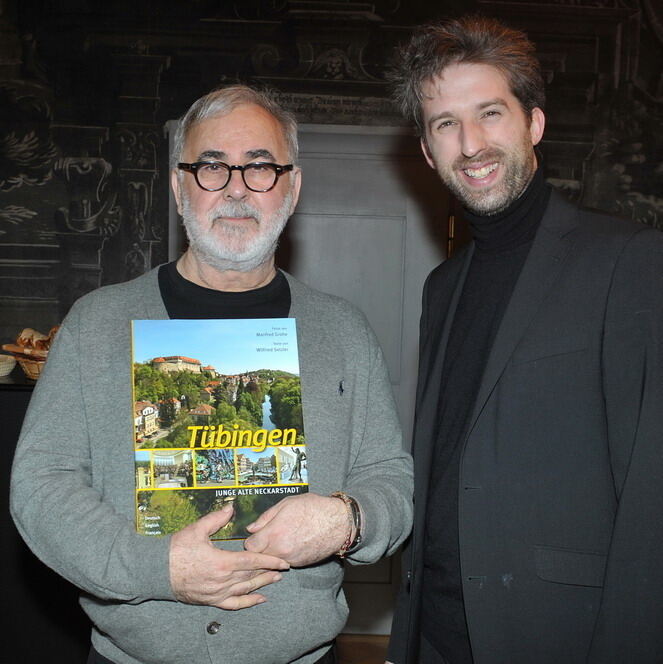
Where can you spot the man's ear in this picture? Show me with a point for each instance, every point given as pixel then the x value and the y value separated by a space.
pixel 537 125
pixel 426 151
pixel 175 186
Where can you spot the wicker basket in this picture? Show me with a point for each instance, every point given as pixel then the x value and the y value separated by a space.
pixel 7 364
pixel 31 367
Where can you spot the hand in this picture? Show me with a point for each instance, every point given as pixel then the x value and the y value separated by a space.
pixel 300 529
pixel 202 574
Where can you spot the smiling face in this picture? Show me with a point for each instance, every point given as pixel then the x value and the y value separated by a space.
pixel 235 228
pixel 477 136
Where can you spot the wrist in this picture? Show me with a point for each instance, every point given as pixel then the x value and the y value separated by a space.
pixel 353 511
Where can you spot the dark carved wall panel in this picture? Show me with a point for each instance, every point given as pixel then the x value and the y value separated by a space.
pixel 86 89
pixel 603 141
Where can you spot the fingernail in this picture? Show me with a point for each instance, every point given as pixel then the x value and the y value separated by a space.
pixel 277 577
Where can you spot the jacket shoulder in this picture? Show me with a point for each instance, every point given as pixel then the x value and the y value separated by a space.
pixel 445 274
pixel 117 300
pixel 312 302
pixel 595 224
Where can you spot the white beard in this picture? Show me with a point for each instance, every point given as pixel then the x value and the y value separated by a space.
pixel 235 246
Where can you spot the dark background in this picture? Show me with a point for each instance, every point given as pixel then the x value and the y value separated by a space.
pixel 86 89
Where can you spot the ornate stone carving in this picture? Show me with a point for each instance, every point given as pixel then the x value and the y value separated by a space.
pixel 335 64
pixel 138 171
pixel 138 148
pixel 90 198
pixel 623 174
pixel 27 152
pixel 329 42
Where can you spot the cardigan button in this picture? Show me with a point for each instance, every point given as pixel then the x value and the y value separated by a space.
pixel 213 627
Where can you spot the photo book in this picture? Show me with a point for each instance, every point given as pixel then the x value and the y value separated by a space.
pixel 217 418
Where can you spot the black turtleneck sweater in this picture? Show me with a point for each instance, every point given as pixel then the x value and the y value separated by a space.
pixel 502 242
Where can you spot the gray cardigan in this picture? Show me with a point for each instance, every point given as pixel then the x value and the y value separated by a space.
pixel 72 494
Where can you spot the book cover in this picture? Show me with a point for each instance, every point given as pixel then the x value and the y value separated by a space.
pixel 217 418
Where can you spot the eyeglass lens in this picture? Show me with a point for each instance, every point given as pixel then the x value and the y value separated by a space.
pixel 258 177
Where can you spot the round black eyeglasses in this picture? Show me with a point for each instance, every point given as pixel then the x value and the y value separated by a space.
pixel 215 175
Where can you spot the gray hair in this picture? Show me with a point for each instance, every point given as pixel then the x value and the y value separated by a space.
pixel 224 100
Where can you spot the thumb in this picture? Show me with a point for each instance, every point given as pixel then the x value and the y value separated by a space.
pixel 264 518
pixel 211 522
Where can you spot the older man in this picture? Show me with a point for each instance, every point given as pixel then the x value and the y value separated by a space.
pixel 538 440
pixel 181 598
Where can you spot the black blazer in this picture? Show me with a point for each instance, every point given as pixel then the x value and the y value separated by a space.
pixel 561 478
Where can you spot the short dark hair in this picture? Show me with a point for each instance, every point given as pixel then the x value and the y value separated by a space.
pixel 470 40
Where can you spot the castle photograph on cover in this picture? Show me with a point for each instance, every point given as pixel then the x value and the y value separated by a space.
pixel 217 418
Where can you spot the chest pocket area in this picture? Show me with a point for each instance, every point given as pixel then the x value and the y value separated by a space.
pixel 569 566
pixel 550 345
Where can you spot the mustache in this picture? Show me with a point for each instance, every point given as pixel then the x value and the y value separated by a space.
pixel 490 154
pixel 234 209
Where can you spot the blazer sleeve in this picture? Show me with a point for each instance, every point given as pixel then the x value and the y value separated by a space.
pixel 629 624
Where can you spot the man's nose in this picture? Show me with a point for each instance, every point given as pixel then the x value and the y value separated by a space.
pixel 235 189
pixel 472 139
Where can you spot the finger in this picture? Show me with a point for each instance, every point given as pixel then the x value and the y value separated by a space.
pixel 265 518
pixel 256 543
pixel 237 602
pixel 259 581
pixel 247 560
pixel 211 522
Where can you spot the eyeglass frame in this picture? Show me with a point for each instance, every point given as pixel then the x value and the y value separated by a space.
pixel 279 170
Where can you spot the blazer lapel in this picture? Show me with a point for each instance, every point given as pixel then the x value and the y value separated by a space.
pixel 540 272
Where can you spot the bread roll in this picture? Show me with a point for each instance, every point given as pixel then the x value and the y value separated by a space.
pixel 30 338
